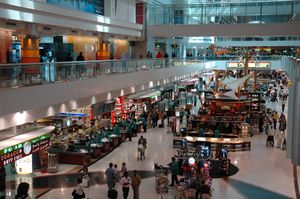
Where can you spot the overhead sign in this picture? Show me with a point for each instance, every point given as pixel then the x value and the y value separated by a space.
pixel 197 40
pixel 72 114
pixel 11 154
pixel 256 65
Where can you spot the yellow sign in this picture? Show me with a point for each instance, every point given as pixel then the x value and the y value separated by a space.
pixel 250 65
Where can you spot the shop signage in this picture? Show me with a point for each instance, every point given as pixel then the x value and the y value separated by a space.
pixel 18 151
pixel 72 114
pixel 199 40
pixel 258 65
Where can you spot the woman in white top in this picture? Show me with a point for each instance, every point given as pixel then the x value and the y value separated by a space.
pixel 126 183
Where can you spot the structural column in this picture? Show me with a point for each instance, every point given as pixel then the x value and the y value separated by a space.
pixel 30 45
pixel 30 49
pixel 102 49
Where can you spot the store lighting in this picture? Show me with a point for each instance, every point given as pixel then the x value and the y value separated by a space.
pixel 122 92
pixel 150 84
pixel 20 117
pixel 108 96
pixel 191 161
pixel 132 89
pixel 93 100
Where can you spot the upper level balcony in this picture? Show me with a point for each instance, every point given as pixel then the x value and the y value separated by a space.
pixel 225 13
pixel 32 91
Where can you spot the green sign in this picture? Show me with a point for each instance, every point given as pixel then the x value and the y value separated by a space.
pixel 15 152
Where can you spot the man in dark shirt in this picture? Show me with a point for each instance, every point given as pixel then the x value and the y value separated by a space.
pixel 80 67
pixel 80 57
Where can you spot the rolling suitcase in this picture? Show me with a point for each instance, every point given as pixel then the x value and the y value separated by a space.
pixel 112 194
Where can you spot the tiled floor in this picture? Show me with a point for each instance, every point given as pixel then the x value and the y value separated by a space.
pixel 264 171
pixel 263 167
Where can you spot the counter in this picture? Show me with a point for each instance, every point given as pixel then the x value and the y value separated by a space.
pixel 233 144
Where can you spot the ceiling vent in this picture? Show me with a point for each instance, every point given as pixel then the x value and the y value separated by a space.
pixel 74 31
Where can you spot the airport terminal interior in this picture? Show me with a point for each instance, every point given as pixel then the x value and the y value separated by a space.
pixel 150 99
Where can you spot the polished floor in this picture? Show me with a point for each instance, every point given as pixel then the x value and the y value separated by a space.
pixel 263 172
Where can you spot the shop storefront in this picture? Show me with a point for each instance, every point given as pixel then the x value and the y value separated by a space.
pixel 26 152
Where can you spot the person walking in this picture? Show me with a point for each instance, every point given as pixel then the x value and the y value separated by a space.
pixel 117 172
pixel 136 182
pixel 80 66
pixel 78 192
pixel 144 123
pixel 283 102
pixel 129 130
pixel 142 145
pixel 123 169
pixel 126 183
pixel 275 119
pixel 158 55
pixel 80 57
pixel 174 170
pixel 110 177
pixel 282 122
pixel 270 138
pixel 22 191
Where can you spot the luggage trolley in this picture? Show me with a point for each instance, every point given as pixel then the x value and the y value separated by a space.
pixel 161 179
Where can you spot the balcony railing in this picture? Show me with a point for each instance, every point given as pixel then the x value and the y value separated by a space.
pixel 16 75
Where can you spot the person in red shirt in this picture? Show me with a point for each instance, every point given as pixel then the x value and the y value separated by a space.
pixel 159 55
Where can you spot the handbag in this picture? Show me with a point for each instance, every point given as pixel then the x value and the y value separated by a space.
pixel 76 195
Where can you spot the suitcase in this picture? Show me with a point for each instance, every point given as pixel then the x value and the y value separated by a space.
pixel 112 194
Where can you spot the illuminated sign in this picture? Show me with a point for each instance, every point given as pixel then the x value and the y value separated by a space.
pixel 257 65
pixel 198 40
pixel 18 151
pixel 72 114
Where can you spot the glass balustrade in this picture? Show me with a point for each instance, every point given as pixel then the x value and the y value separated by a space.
pixel 17 75
pixel 225 13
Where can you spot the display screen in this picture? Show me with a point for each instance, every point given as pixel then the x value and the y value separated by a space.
pixel 183 142
pixel 224 152
pixel 18 151
pixel 205 151
pixel 72 114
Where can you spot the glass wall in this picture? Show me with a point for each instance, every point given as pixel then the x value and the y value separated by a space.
pixel 225 13
pixel 90 6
